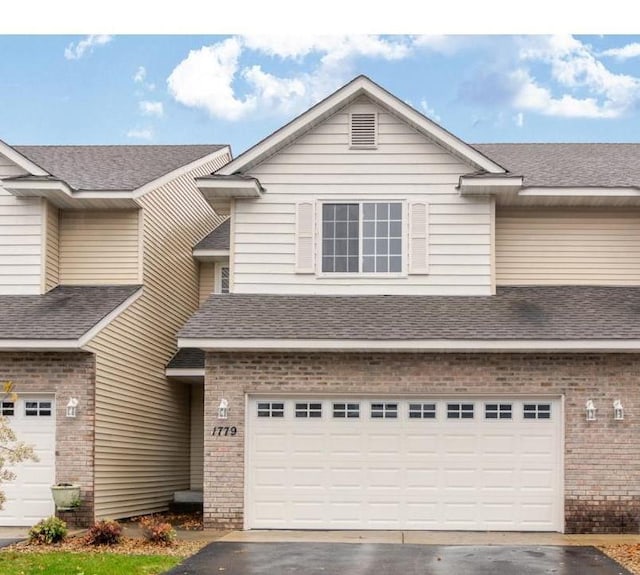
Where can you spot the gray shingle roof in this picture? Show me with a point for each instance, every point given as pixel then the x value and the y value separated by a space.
pixel 218 239
pixel 515 313
pixel 112 167
pixel 187 358
pixel 66 312
pixel 605 165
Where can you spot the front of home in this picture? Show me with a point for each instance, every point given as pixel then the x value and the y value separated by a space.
pixel 414 328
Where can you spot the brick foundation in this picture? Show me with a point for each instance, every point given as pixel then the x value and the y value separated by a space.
pixel 67 375
pixel 602 458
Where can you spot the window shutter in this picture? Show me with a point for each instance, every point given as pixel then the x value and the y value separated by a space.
pixel 305 248
pixel 418 238
pixel 363 130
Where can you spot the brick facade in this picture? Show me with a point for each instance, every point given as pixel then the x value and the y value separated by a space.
pixel 67 375
pixel 602 458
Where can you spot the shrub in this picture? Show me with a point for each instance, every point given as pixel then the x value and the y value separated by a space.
pixel 157 531
pixel 48 531
pixel 104 533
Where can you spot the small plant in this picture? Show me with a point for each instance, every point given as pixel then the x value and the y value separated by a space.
pixel 157 531
pixel 104 533
pixel 48 531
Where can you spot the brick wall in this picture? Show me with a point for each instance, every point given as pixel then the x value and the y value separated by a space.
pixel 67 375
pixel 602 458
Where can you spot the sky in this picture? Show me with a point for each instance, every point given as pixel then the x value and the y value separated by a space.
pixel 237 89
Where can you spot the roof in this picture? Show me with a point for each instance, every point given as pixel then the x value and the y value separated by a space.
pixel 218 239
pixel 64 313
pixel 569 165
pixel 514 313
pixel 360 85
pixel 187 358
pixel 113 167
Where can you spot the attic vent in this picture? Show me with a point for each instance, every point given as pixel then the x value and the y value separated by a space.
pixel 363 130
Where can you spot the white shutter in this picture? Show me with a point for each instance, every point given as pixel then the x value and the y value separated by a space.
pixel 305 248
pixel 418 238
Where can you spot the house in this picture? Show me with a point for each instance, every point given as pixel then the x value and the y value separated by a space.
pixel 96 277
pixel 419 333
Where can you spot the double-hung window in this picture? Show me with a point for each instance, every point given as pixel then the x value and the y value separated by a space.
pixel 362 237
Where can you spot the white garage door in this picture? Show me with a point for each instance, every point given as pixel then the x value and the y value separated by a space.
pixel 28 496
pixel 367 463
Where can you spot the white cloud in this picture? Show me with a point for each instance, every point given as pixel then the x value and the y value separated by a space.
pixel 428 111
pixel 140 134
pixel 207 77
pixel 626 52
pixel 141 75
pixel 149 108
pixel 518 119
pixel 76 51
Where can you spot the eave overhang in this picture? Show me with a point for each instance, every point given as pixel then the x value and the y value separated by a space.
pixel 207 255
pixel 217 187
pixel 488 184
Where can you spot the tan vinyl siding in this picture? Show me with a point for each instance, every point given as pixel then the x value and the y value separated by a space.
pixel 207 282
pixel 405 166
pixel 560 246
pixel 99 247
pixel 52 269
pixel 197 436
pixel 142 421
pixel 9 169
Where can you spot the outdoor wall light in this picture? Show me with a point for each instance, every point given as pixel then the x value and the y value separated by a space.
pixel 223 409
pixel 72 407
pixel 618 410
pixel 590 408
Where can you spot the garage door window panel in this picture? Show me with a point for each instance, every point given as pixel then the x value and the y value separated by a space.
pixel 270 409
pixel 497 411
pixel 422 411
pixel 536 411
pixel 37 408
pixel 7 409
pixel 459 410
pixel 308 410
pixel 384 411
pixel 346 410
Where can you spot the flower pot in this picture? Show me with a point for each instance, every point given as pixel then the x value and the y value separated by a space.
pixel 66 496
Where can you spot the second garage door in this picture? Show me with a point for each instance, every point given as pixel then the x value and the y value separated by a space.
pixel 385 463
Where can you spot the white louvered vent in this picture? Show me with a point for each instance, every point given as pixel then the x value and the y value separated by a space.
pixel 364 130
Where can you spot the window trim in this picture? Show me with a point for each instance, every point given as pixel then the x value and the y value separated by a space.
pixel 368 275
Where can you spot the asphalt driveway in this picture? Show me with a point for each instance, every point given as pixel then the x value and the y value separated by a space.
pixel 383 559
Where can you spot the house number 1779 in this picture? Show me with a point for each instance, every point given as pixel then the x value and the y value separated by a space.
pixel 224 431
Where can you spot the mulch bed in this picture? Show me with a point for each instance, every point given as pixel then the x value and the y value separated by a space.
pixel 628 555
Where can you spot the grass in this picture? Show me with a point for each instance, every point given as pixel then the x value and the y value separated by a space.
pixel 57 563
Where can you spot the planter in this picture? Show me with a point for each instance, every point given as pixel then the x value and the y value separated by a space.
pixel 66 496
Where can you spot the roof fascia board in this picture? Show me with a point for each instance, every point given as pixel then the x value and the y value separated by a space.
pixel 580 191
pixel 21 160
pixel 210 254
pixel 153 184
pixel 35 188
pixel 484 185
pixel 479 346
pixel 39 344
pixel 107 319
pixel 361 85
pixel 184 372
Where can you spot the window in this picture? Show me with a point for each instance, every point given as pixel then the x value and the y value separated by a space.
pixel 270 409
pixel 224 279
pixel 7 408
pixel 384 410
pixel 362 237
pixel 536 411
pixel 346 410
pixel 459 410
pixel 422 411
pixel 308 410
pixel 497 411
pixel 37 408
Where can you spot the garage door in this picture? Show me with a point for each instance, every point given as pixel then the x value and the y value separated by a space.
pixel 390 463
pixel 28 496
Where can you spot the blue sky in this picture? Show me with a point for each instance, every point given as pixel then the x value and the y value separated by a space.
pixel 113 89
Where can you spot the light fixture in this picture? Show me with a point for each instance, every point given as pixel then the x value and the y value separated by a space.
pixel 72 407
pixel 591 410
pixel 618 410
pixel 223 409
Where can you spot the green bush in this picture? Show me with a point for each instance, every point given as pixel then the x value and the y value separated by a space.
pixel 157 531
pixel 104 533
pixel 48 531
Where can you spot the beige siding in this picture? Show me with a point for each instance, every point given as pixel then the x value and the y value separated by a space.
pixel 99 247
pixel 197 436
pixel 206 280
pixel 51 262
pixel 406 166
pixel 142 421
pixel 568 247
pixel 8 169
